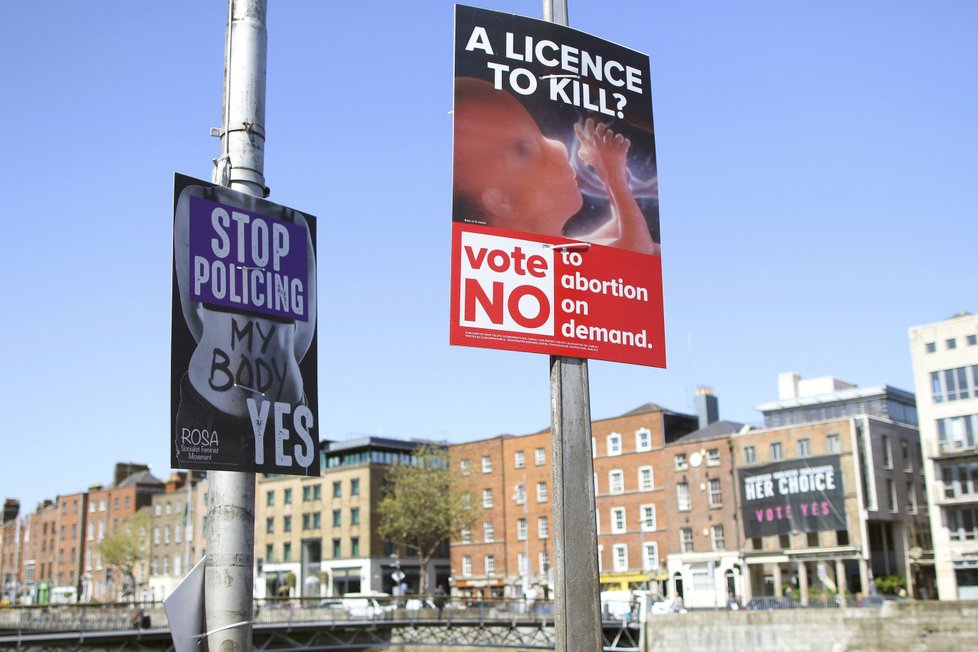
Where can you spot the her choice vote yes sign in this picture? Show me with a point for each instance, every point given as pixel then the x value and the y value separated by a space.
pixel 555 234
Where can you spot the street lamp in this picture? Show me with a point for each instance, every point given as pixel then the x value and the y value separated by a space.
pixel 525 571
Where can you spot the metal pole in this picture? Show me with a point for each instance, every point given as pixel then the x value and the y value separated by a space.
pixel 229 569
pixel 577 613
pixel 577 603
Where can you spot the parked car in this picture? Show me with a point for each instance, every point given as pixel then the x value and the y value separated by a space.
pixel 770 602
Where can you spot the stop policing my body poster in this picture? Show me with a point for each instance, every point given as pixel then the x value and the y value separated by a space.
pixel 243 363
pixel 555 213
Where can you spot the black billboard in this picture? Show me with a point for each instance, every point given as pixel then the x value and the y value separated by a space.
pixel 804 495
pixel 243 337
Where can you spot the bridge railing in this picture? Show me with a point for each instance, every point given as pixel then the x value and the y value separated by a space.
pixel 86 617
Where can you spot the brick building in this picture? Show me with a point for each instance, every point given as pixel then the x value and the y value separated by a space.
pixel 109 508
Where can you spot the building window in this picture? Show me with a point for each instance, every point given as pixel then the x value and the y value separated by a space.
pixel 963 524
pixel 337 489
pixel 541 492
pixel 520 459
pixel 614 444
pixel 354 546
pixel 750 455
pixel 490 565
pixel 620 557
pixel 813 539
pixel 487 498
pixel 522 563
pixel 930 347
pixel 686 539
pixel 645 478
pixel 757 543
pixel 842 537
pixel 951 344
pixel 777 451
pixel 466 534
pixel 543 561
pixel 957 433
pixel 488 532
pixel 355 487
pixel 643 439
pixel 891 495
pixel 306 521
pixel 519 496
pixel 833 444
pixel 286 524
pixel 521 529
pixel 683 501
pixel 804 447
pixel 716 537
pixel 713 457
pixel 287 497
pixel 905 452
pixel 650 558
pixel 269 525
pixel 648 517
pixel 618 525
pixel 716 496
pixel 337 518
pixel 540 457
pixel 269 501
pixel 317 520
pixel 466 566
pixel 337 549
pixel 543 528
pixel 463 467
pixel 785 541
pixel 616 482
pixel 887 452
pixel 486 464
pixel 680 462
pixel 355 516
pixel 286 551
pixel 269 552
pixel 911 498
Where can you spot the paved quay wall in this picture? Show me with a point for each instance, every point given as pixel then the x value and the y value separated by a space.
pixel 895 627
pixel 923 626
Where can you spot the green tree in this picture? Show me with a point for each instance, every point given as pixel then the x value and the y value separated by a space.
pixel 420 508
pixel 125 547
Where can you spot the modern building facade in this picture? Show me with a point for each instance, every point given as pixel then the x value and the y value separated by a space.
pixel 945 364
pixel 317 536
pixel 832 492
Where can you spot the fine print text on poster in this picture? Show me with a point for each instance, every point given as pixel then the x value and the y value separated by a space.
pixel 554 152
pixel 243 377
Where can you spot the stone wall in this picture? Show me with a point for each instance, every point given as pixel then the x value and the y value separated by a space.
pixel 896 627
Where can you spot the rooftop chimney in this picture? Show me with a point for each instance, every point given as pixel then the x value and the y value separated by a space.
pixel 706 406
pixel 11 508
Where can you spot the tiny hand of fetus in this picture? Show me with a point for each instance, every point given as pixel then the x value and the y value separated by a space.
pixel 602 149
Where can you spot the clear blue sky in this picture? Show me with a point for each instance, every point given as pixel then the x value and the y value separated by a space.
pixel 818 170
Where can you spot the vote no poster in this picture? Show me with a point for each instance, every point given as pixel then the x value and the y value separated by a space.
pixel 243 336
pixel 555 211
pixel 804 495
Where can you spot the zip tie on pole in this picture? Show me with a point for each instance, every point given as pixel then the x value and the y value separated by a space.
pixel 199 637
pixel 250 389
pixel 570 246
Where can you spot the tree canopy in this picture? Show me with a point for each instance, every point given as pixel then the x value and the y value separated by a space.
pixel 420 508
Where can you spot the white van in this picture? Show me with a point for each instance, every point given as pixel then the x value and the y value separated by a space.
pixel 371 605
pixel 632 606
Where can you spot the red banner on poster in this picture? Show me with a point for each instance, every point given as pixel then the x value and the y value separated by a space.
pixel 555 238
